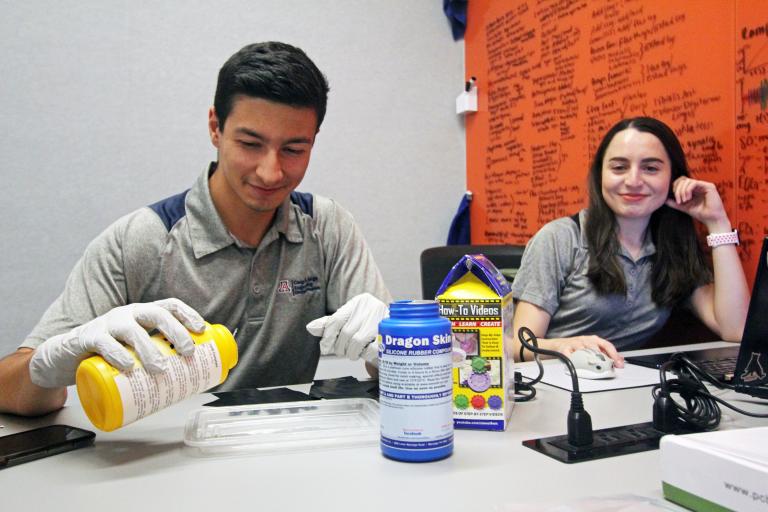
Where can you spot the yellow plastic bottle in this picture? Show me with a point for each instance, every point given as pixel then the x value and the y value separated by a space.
pixel 113 399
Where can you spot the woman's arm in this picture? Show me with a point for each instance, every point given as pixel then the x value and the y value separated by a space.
pixel 537 320
pixel 721 305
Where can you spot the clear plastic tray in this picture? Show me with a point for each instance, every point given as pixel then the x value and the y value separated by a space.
pixel 288 426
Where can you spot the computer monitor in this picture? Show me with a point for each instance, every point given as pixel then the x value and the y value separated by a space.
pixel 751 375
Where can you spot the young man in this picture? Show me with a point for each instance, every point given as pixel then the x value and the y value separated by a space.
pixel 239 248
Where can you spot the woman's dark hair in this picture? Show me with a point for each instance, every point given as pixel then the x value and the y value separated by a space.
pixel 679 264
pixel 273 71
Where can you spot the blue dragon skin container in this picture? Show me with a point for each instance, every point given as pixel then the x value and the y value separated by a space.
pixel 415 382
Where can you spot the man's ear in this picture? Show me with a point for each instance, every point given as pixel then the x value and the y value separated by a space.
pixel 213 126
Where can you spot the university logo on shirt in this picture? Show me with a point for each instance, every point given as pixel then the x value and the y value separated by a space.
pixel 298 286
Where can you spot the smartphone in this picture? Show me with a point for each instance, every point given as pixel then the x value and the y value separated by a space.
pixel 42 442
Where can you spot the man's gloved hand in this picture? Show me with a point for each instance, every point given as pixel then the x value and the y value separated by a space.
pixel 55 361
pixel 351 331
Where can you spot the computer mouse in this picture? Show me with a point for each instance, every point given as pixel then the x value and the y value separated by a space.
pixel 591 364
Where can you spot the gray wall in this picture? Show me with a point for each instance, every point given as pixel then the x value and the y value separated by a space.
pixel 103 108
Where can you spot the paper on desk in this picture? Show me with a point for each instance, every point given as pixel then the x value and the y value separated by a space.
pixel 631 376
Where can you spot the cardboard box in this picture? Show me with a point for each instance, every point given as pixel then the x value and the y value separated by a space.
pixel 725 470
pixel 476 298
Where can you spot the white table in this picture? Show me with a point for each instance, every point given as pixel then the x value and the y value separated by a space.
pixel 145 466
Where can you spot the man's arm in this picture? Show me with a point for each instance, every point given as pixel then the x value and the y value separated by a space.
pixel 18 395
pixel 34 381
pixel 356 296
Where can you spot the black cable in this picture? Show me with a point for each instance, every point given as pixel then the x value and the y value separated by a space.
pixel 700 410
pixel 700 373
pixel 536 358
pixel 579 420
pixel 525 391
pixel 529 341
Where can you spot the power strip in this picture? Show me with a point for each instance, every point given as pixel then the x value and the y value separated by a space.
pixel 608 442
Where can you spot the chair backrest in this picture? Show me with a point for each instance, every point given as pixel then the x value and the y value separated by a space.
pixel 436 262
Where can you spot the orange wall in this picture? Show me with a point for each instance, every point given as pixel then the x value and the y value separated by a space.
pixel 554 76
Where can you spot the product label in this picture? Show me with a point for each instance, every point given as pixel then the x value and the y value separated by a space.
pixel 482 381
pixel 143 393
pixel 415 389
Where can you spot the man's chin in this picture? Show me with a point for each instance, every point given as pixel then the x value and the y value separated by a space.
pixel 265 206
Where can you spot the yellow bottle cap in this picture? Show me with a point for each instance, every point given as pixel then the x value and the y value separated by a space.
pixel 99 396
pixel 227 345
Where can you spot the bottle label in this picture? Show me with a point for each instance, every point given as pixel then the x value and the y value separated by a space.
pixel 143 393
pixel 415 390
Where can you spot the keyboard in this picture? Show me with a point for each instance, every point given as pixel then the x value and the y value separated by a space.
pixel 722 369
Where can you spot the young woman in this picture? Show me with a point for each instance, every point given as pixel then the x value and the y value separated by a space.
pixel 608 279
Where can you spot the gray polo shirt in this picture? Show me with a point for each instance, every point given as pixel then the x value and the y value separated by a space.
pixel 305 267
pixel 553 276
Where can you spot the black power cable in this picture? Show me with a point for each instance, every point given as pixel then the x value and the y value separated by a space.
pixel 700 409
pixel 579 420
pixel 525 391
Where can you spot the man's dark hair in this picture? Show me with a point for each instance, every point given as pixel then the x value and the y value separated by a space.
pixel 272 71
pixel 679 265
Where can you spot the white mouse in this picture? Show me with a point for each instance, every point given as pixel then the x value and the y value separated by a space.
pixel 591 364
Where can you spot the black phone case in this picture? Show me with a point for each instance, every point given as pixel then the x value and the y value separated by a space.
pixel 42 442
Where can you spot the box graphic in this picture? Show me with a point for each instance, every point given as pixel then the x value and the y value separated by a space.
pixel 476 297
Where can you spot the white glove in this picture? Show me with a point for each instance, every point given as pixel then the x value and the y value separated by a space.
pixel 55 361
pixel 351 331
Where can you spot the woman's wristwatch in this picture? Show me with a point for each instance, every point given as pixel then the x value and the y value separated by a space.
pixel 716 239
